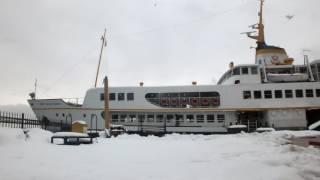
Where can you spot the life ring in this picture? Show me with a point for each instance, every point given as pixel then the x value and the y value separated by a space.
pixel 194 101
pixel 164 101
pixel 184 101
pixel 205 101
pixel 275 60
pixel 174 102
pixel 215 102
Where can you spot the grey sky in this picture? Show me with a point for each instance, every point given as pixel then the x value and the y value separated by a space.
pixel 160 42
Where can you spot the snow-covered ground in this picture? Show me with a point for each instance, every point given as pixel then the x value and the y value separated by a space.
pixel 177 157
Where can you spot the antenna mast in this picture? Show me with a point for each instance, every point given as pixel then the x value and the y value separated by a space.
pixel 104 43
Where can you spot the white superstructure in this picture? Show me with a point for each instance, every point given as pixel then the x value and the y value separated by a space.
pixel 270 93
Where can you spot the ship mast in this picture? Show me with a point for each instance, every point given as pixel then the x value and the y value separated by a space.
pixel 260 27
pixel 104 43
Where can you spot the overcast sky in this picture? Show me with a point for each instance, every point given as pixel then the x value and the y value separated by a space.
pixel 159 42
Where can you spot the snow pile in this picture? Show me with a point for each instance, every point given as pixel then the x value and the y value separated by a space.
pixel 11 136
pixel 253 156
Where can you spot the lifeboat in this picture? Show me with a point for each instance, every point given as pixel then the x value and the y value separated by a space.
pixel 295 77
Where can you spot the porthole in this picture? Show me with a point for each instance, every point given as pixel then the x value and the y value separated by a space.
pixel 57 114
pixel 84 115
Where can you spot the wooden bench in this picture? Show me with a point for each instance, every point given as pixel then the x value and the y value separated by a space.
pixel 66 139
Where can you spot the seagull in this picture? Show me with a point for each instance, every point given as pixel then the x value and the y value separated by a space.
pixel 289 17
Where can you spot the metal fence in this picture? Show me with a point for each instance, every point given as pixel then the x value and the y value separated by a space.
pixel 18 120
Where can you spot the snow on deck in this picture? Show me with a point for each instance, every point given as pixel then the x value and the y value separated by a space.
pixel 262 156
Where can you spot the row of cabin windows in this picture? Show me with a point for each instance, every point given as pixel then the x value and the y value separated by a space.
pixel 159 118
pixel 121 96
pixel 288 93
pixel 244 70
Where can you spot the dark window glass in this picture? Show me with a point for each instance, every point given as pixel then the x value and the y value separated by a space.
pixel 120 96
pixel 141 118
pixel 236 71
pixel 114 117
pixel 299 93
pixel 209 94
pixel 220 118
pixel 254 70
pixel 210 118
pixel 257 94
pixel 150 118
pixel 84 115
pixel 152 95
pixel 278 93
pixel 190 118
pixel 267 94
pixel 159 118
pixel 101 97
pixel 245 70
pixel 288 93
pixel 112 96
pixel 169 117
pixel 163 95
pixel 318 92
pixel 63 115
pixel 174 94
pixel 130 96
pixel 309 92
pixel 246 94
pixel 57 114
pixel 132 117
pixel 200 118
pixel 123 118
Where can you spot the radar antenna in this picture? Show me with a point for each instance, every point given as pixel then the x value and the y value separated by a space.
pixel 104 43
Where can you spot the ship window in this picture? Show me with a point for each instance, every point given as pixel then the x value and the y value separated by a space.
pixel 63 115
pixel 210 118
pixel 114 118
pixel 120 96
pixel 152 95
pixel 190 118
pixel 101 97
pixel 130 96
pixel 150 118
pixel 159 118
pixel 309 92
pixel 257 94
pixel 174 94
pixel 57 114
pixel 299 93
pixel 318 92
pixel 132 118
pixel 278 93
pixel 237 82
pixel 220 118
pixel 267 94
pixel 141 118
pixel 84 115
pixel 236 71
pixel 254 70
pixel 246 94
pixel 169 118
pixel 288 93
pixel 200 118
pixel 112 96
pixel 164 95
pixel 244 70
pixel 179 118
pixel 209 94
pixel 123 118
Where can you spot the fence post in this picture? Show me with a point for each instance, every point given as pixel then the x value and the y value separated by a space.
pixel 22 120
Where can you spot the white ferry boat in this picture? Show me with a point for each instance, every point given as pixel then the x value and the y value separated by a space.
pixel 272 92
